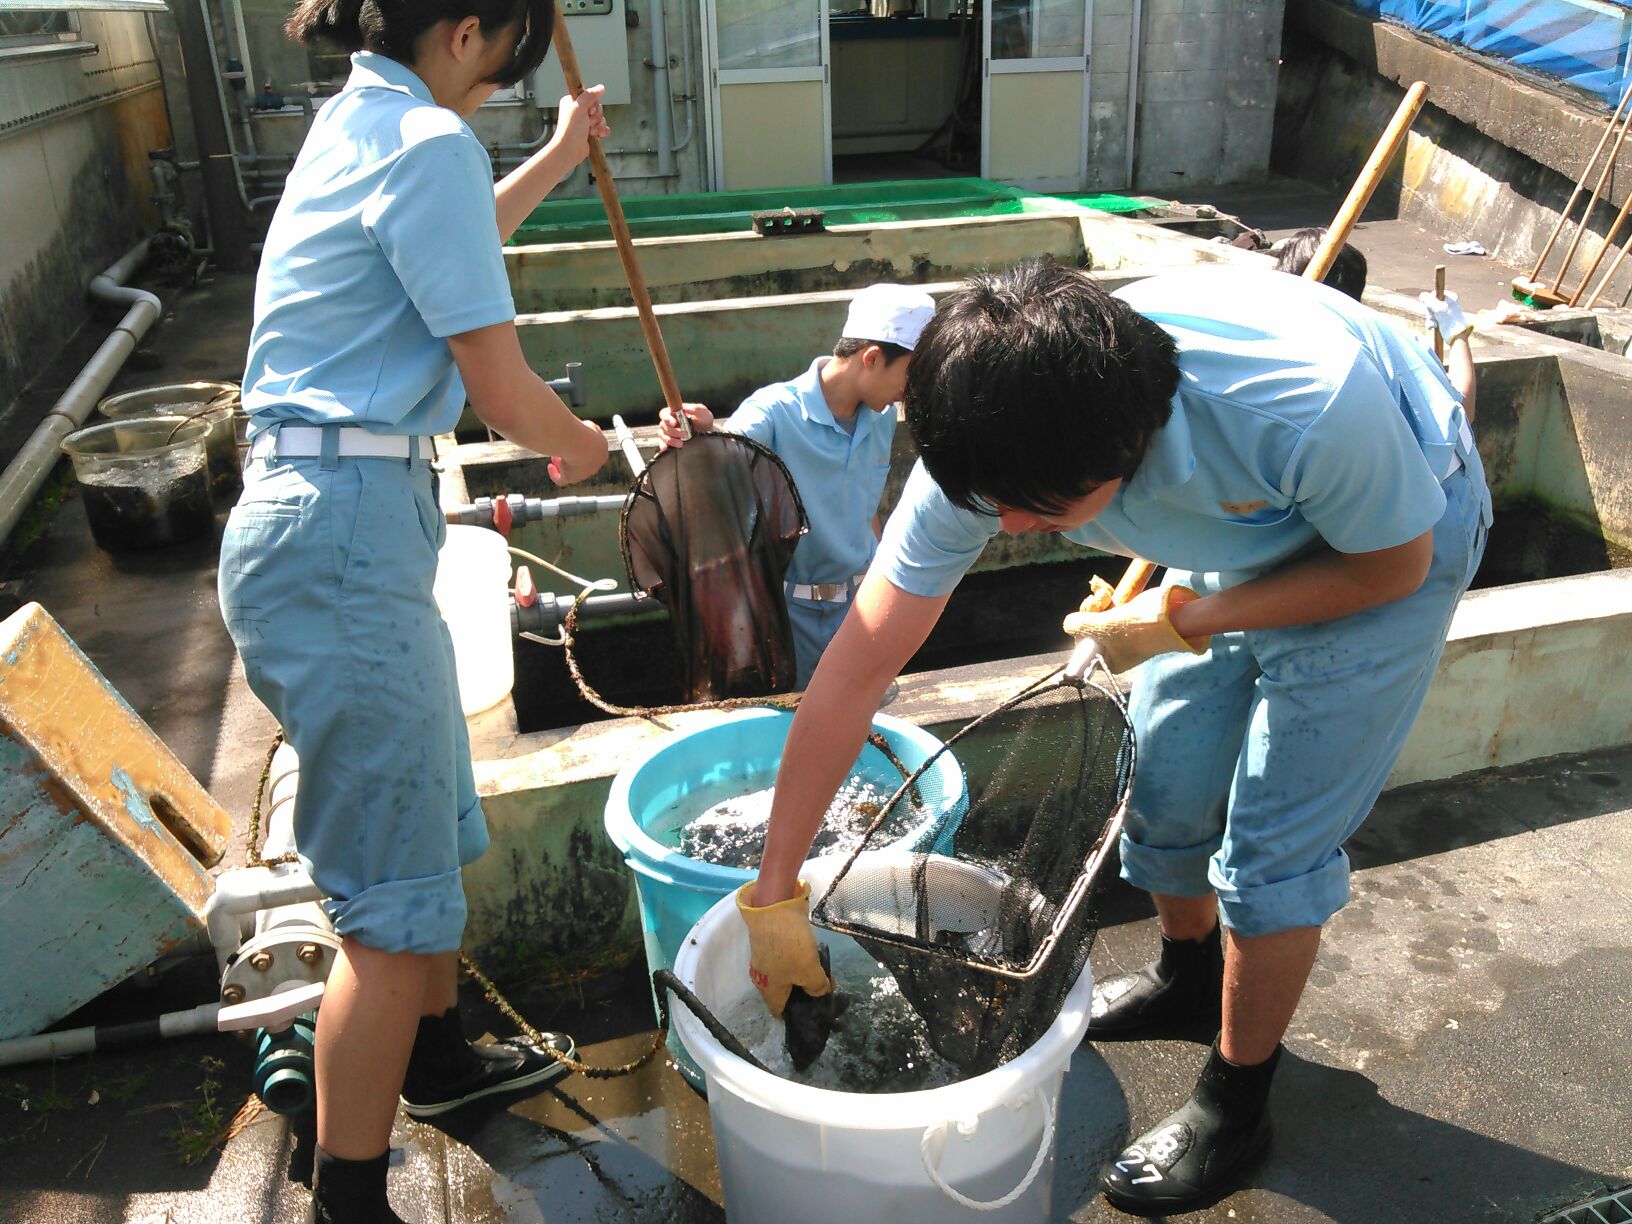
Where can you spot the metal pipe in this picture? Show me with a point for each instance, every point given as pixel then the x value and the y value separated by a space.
pixel 1133 90
pixel 39 455
pixel 189 1023
pixel 221 97
pixel 660 83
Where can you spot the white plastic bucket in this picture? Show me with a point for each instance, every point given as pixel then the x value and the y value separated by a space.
pixel 982 1149
pixel 473 594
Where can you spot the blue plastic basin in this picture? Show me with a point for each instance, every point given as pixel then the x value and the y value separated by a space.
pixel 738 755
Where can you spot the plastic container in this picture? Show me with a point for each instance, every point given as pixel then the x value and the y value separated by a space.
pixel 981 1149
pixel 145 482
pixel 473 593
pixel 215 402
pixel 745 749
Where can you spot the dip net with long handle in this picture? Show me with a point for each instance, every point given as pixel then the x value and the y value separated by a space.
pixel 987 931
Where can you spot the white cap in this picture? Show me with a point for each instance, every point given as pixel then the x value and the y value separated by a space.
pixel 889 314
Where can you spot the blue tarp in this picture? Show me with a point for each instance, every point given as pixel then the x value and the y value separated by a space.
pixel 1583 43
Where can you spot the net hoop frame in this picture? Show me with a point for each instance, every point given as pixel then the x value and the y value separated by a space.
pixel 643 482
pixel 1080 886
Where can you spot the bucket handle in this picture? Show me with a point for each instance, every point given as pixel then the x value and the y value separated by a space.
pixel 936 1135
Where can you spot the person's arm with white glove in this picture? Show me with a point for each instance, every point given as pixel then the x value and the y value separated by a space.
pixel 1454 329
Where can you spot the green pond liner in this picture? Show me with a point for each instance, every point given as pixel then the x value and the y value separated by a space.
pixel 724 212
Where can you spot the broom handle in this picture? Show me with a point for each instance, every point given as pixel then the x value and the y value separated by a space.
pixel 1580 183
pixel 1439 295
pixel 1370 175
pixel 562 42
pixel 1592 203
pixel 1139 571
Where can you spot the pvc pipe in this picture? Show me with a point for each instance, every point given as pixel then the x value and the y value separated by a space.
pixel 189 1023
pixel 247 891
pixel 532 509
pixel 626 442
pixel 39 455
pixel 548 613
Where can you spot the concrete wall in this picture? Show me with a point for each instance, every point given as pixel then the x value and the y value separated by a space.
pixel 1492 157
pixel 1207 83
pixel 74 136
pixel 588 275
pixel 723 349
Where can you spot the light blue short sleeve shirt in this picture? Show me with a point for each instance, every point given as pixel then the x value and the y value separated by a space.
pixel 385 243
pixel 1300 417
pixel 840 474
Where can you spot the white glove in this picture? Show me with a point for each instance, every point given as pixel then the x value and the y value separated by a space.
pixel 1446 315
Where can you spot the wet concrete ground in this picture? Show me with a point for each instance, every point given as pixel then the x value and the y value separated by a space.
pixel 1460 1056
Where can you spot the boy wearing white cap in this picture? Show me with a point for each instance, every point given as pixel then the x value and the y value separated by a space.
pixel 838 454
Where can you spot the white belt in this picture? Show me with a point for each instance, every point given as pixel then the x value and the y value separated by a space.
pixel 353 442
pixel 1464 446
pixel 824 592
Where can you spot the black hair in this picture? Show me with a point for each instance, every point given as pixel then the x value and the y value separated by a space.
pixel 849 346
pixel 394 27
pixel 1347 273
pixel 1033 386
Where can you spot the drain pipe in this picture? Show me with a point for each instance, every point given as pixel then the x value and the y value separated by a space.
pixel 39 455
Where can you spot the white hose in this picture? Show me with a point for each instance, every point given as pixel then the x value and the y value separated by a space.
pixel 599 584
pixel 937 1135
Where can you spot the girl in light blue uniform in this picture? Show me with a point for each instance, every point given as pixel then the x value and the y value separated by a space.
pixel 381 305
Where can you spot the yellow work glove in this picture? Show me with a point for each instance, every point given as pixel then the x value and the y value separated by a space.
pixel 1140 629
pixel 782 948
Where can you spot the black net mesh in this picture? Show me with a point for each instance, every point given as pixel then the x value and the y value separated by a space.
pixel 708 531
pixel 988 931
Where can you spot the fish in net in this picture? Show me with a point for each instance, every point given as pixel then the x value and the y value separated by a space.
pixel 986 939
pixel 708 530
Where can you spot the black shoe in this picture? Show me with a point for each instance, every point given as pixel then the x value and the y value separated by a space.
pixel 350 1191
pixel 1178 995
pixel 445 1071
pixel 303 1145
pixel 1194 1157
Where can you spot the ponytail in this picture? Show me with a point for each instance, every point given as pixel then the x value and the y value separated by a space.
pixel 393 27
pixel 337 22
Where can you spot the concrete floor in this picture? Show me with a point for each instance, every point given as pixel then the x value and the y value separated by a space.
pixel 1459 1056
pixel 1400 254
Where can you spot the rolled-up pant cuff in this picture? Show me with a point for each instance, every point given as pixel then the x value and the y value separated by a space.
pixel 1175 871
pixel 423 916
pixel 1303 901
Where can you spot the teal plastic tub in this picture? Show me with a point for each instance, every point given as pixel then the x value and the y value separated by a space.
pixel 736 756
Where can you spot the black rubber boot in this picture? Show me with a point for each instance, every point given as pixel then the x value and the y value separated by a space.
pixel 1194 1157
pixel 351 1191
pixel 445 1071
pixel 1180 994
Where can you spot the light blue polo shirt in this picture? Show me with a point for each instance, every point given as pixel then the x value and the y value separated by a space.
pixel 1301 416
pixel 840 474
pixel 385 243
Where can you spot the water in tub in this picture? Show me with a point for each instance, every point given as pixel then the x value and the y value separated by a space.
pixel 717 823
pixel 878 1045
